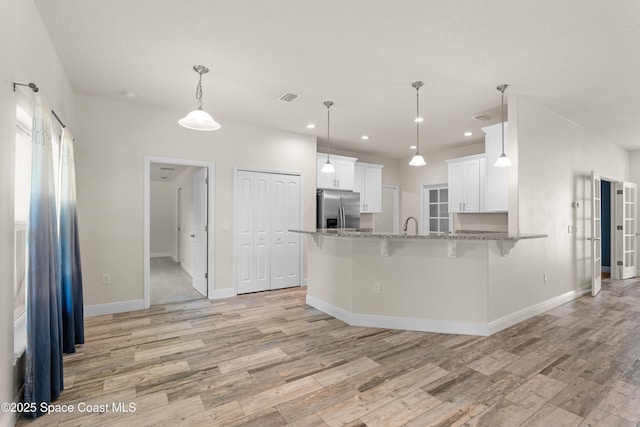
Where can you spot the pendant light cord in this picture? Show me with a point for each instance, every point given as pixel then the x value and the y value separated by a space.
pixel 328 139
pixel 328 104
pixel 502 114
pixel 199 92
pixel 417 120
pixel 502 88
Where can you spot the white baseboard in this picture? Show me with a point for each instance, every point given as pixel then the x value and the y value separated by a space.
pixel 9 419
pixel 528 312
pixel 113 307
pixel 403 323
pixel 440 326
pixel 223 293
pixel 162 255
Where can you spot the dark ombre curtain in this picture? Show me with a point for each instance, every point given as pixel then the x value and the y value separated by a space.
pixel 70 267
pixel 44 377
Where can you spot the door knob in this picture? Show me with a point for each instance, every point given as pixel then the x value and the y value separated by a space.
pixel 193 235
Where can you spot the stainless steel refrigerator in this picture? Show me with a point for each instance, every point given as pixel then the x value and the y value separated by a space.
pixel 337 209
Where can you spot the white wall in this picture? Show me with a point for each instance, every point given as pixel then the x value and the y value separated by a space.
pixel 26 55
pixel 163 213
pixel 552 168
pixel 113 139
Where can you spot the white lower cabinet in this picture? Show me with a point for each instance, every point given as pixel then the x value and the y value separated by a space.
pixel 267 254
pixel 466 183
pixel 368 182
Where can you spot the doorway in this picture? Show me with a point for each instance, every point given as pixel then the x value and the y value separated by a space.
pixel 178 208
pixel 613 230
pixel 434 208
pixel 605 220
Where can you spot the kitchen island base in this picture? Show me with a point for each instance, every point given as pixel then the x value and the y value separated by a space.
pixel 419 286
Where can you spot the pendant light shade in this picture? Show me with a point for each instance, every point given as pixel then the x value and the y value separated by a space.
pixel 199 119
pixel 503 161
pixel 417 159
pixel 328 167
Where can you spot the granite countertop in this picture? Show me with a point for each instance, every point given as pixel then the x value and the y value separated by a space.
pixel 465 235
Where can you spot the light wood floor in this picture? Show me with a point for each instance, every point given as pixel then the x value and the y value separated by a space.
pixel 267 359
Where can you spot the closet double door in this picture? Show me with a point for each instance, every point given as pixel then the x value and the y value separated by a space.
pixel 268 255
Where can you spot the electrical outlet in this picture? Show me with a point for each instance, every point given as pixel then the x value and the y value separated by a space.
pixel 106 279
pixel 377 288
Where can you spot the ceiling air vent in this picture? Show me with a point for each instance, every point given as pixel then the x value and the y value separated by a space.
pixel 288 97
pixel 483 117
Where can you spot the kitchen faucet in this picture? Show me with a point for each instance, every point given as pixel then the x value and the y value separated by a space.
pixel 406 223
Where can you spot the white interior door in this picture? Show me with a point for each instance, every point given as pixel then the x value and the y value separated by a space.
pixel 178 224
pixel 200 230
pixel 268 255
pixel 285 246
pixel 596 238
pixel 253 262
pixel 627 228
pixel 245 234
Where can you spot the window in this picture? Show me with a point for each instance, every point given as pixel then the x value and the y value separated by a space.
pixel 436 209
pixel 21 215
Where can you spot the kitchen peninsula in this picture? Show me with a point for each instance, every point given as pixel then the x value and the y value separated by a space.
pixel 452 283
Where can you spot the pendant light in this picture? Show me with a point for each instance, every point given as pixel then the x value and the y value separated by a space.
pixel 328 167
pixel 503 161
pixel 199 119
pixel 417 159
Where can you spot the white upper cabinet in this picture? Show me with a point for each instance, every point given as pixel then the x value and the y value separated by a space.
pixel 344 176
pixel 368 182
pixel 497 184
pixel 466 183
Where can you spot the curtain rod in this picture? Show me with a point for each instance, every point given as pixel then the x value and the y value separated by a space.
pixel 35 88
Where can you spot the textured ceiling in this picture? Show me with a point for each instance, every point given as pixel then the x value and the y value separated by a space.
pixel 580 58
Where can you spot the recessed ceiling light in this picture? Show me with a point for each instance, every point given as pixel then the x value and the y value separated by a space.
pixel 418 120
pixel 412 147
pixel 364 137
pixel 311 126
pixel 468 133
